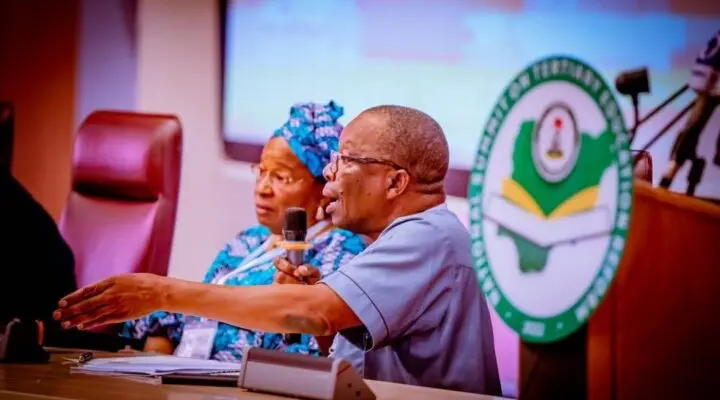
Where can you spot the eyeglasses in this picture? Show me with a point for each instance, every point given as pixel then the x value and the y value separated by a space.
pixel 276 179
pixel 337 158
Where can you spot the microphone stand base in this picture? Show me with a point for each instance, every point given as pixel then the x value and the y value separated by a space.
pixel 695 175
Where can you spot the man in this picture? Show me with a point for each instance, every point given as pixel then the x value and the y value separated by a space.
pixel 38 267
pixel 705 81
pixel 409 305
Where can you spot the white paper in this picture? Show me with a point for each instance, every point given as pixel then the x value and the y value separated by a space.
pixel 157 365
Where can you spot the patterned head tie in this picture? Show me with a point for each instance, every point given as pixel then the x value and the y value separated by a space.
pixel 313 133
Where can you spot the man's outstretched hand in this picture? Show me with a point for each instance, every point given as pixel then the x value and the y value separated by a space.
pixel 116 299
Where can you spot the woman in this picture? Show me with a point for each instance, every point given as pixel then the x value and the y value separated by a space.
pixel 289 175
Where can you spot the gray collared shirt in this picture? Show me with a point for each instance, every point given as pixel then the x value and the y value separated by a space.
pixel 424 318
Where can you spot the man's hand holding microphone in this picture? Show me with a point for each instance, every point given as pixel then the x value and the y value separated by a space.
pixel 292 268
pixel 298 275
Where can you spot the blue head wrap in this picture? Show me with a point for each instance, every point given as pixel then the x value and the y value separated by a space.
pixel 313 132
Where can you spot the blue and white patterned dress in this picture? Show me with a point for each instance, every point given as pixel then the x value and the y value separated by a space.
pixel 331 250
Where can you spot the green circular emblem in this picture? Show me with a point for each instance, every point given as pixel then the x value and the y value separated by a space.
pixel 550 198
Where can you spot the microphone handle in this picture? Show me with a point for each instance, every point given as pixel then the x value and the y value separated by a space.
pixel 296 258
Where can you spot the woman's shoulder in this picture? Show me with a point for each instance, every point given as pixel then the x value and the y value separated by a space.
pixel 246 240
pixel 341 239
pixel 335 248
pixel 253 234
pixel 236 250
pixel 254 231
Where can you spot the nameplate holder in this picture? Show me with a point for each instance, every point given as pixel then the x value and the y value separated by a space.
pixel 301 376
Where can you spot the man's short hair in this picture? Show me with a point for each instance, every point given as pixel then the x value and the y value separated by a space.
pixel 413 140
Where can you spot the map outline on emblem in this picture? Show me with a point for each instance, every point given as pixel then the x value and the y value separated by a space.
pixel 585 202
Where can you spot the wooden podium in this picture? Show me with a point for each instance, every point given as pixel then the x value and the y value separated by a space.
pixel 656 334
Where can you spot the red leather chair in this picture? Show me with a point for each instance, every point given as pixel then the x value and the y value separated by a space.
pixel 120 214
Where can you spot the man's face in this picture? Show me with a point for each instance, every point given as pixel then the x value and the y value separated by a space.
pixel 357 186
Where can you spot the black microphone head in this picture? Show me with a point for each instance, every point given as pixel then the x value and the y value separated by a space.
pixel 295 226
pixel 633 83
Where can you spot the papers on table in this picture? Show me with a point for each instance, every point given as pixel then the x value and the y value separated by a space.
pixel 157 366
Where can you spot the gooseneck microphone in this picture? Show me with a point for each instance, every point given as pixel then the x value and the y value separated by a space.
pixel 295 232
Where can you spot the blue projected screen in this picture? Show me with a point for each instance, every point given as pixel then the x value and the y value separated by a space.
pixel 449 58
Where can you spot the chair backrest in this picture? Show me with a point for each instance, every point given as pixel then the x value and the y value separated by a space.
pixel 7 125
pixel 120 214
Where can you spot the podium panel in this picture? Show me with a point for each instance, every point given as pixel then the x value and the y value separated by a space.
pixel 657 333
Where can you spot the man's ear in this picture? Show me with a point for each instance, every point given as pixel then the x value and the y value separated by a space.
pixel 397 183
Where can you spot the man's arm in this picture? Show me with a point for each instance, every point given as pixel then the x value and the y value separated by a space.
pixel 311 309
pixel 382 291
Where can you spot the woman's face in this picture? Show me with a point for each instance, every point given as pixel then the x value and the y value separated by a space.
pixel 282 181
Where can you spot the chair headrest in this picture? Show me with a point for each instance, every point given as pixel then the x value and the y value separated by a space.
pixel 124 155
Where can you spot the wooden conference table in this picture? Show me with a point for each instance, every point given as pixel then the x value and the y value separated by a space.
pixel 55 381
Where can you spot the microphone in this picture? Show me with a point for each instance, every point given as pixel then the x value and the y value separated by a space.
pixel 20 342
pixel 295 231
pixel 294 234
pixel 318 378
pixel 634 83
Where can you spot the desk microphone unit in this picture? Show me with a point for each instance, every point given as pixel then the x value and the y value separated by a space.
pixel 77 339
pixel 287 374
pixel 20 343
pixel 303 376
